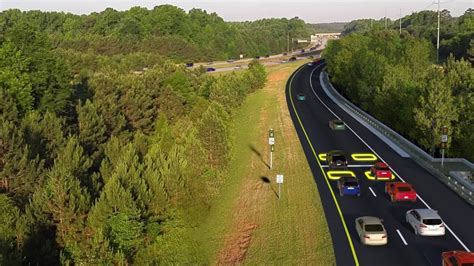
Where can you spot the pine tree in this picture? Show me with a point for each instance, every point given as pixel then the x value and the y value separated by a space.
pixel 92 130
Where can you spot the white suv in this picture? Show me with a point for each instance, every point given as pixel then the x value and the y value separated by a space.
pixel 425 222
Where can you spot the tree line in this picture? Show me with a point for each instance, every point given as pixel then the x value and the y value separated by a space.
pixel 456 33
pixel 140 37
pixel 394 77
pixel 109 166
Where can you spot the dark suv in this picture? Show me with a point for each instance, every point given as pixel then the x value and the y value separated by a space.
pixel 336 159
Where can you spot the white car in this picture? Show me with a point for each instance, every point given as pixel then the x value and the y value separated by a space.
pixel 371 231
pixel 426 222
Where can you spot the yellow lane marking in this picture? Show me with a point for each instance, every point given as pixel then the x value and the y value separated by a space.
pixel 322 156
pixel 354 255
pixel 369 176
pixel 363 157
pixel 337 174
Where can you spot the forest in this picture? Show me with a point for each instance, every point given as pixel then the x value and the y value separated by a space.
pixel 139 38
pixel 396 79
pixel 456 33
pixel 101 164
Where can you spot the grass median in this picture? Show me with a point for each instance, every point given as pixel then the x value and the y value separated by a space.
pixel 248 224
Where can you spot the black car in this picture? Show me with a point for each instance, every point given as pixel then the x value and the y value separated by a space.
pixel 292 59
pixel 189 64
pixel 210 69
pixel 336 159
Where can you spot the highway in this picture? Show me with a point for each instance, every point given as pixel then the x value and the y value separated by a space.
pixel 311 118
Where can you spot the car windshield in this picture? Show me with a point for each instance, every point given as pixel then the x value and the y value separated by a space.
pixel 383 168
pixel 351 184
pixel 432 221
pixel 404 189
pixel 338 157
pixel 339 123
pixel 373 228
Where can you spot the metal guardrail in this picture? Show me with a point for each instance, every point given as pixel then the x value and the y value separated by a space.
pixel 465 188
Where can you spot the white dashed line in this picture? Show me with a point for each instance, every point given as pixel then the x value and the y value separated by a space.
pixel 373 193
pixel 401 236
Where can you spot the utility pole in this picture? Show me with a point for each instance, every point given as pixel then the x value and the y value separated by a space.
pixel 437 39
pixel 400 21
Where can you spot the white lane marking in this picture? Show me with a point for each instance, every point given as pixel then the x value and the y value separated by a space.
pixel 380 157
pixel 352 166
pixel 401 236
pixel 373 193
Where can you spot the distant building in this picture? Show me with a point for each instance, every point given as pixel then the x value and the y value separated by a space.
pixel 318 37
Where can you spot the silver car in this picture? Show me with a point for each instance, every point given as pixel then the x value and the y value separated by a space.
pixel 371 231
pixel 425 222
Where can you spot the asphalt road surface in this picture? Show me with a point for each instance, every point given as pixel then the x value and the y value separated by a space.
pixel 311 118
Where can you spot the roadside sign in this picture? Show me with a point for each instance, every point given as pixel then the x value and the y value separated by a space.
pixel 241 56
pixel 280 179
pixel 271 141
pixel 444 138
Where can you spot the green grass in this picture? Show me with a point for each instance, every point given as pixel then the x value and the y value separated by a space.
pixel 247 223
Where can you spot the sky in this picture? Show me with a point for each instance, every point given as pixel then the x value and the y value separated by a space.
pixel 312 11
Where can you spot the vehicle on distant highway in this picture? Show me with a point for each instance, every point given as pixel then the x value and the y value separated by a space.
pixel 312 48
pixel 371 231
pixel 238 67
pixel 283 61
pixel 380 170
pixel 267 55
pixel 425 222
pixel 285 53
pixel 348 185
pixel 337 124
pixel 400 191
pixel 230 60
pixel 457 258
pixel 189 64
pixel 211 69
pixel 302 50
pixel 257 57
pixel 301 97
pixel 336 159
pixel 210 63
pixel 292 59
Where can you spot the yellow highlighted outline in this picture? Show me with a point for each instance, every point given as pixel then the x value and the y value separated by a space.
pixel 344 225
pixel 364 157
pixel 337 174
pixel 369 176
pixel 322 156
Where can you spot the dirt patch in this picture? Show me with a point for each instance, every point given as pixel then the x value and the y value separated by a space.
pixel 237 245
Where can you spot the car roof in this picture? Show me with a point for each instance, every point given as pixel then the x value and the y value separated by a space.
pixel 370 220
pixel 428 213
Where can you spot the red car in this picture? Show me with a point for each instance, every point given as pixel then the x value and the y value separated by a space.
pixel 455 258
pixel 381 171
pixel 399 191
